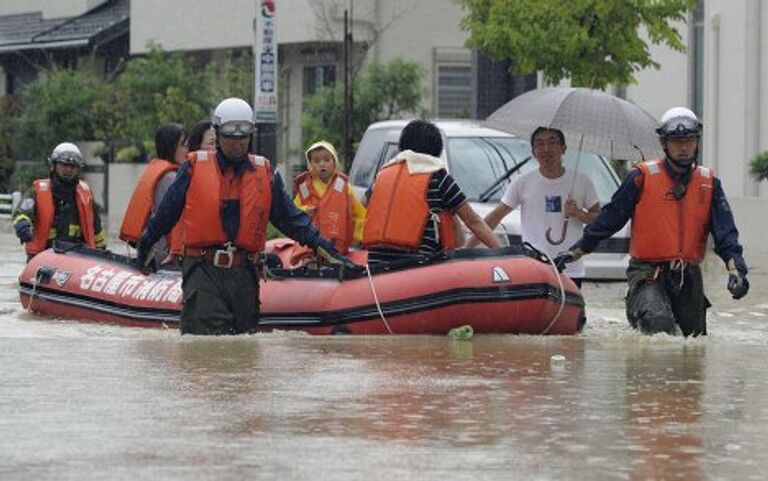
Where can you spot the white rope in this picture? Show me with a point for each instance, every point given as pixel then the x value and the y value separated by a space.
pixel 562 296
pixel 376 298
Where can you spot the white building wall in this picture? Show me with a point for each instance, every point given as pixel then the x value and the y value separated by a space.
pixel 49 8
pixel 729 99
pixel 735 99
pixel 415 31
pixel 122 181
pixel 180 25
pixel 658 90
pixel 191 24
pixel 391 29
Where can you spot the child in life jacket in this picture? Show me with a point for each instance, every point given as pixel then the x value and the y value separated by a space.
pixel 326 196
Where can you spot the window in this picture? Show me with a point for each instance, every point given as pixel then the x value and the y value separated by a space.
pixel 454 91
pixel 317 77
pixel 477 162
pixel 367 158
pixel 454 85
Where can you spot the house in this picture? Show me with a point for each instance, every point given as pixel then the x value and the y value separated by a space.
pixel 310 50
pixel 35 35
pixel 38 34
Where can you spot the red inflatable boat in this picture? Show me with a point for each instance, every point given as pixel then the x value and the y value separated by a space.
pixel 494 291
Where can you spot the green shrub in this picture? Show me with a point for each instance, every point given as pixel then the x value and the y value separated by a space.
pixel 758 166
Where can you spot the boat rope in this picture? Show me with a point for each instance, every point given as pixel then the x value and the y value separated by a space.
pixel 562 296
pixel 35 282
pixel 376 298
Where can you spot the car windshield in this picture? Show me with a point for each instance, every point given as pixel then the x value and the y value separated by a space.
pixel 477 162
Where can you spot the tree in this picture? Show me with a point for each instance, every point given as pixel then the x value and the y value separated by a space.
pixel 124 111
pixel 381 92
pixel 7 113
pixel 592 42
pixel 158 88
pixel 56 109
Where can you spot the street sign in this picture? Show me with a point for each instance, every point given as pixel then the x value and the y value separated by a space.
pixel 265 63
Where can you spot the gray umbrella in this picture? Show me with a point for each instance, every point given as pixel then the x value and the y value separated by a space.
pixel 609 126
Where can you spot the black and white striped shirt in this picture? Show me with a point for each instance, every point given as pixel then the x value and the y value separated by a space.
pixel 442 194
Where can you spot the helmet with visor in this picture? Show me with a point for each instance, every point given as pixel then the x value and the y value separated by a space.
pixel 233 118
pixel 68 154
pixel 679 122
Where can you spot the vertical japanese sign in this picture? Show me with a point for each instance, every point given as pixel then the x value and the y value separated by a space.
pixel 265 62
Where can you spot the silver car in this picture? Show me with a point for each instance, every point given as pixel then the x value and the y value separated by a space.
pixel 478 157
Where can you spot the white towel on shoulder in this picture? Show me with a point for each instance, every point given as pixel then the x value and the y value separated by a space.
pixel 418 163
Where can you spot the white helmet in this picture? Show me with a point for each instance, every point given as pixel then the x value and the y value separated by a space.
pixel 679 122
pixel 233 117
pixel 66 153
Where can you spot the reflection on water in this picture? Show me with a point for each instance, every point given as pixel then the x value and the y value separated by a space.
pixel 86 401
pixel 664 391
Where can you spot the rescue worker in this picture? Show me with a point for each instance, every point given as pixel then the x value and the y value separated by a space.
pixel 227 198
pixel 171 150
pixel 326 196
pixel 674 203
pixel 413 200
pixel 60 207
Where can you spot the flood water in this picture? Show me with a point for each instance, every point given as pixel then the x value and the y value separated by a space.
pixel 87 401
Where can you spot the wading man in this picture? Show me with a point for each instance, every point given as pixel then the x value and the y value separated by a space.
pixel 674 203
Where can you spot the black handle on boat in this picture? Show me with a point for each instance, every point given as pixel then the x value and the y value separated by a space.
pixel 44 274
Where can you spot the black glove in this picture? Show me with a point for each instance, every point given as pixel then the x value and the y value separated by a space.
pixel 144 264
pixel 567 257
pixel 23 230
pixel 738 285
pixel 328 253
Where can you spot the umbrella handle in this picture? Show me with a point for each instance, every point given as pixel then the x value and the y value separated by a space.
pixel 562 237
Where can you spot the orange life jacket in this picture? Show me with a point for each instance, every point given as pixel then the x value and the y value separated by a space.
pixel 202 212
pixel 665 228
pixel 142 201
pixel 45 211
pixel 398 211
pixel 332 216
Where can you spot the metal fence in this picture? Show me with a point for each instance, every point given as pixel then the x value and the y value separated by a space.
pixel 8 204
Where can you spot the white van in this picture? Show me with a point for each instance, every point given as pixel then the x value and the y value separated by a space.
pixel 476 157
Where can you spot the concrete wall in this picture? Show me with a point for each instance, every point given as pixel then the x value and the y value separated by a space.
pixel 747 212
pixel 737 93
pixel 735 99
pixel 658 90
pixel 122 180
pixel 180 25
pixel 414 30
pixel 391 29
pixel 49 8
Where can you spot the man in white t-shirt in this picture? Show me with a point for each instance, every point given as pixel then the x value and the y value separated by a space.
pixel 546 197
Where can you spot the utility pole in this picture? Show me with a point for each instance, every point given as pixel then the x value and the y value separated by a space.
pixel 348 127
